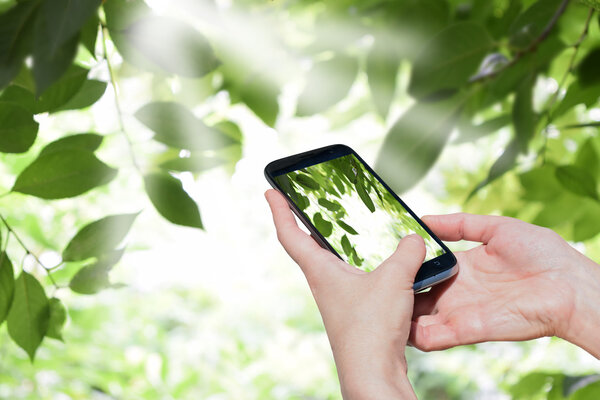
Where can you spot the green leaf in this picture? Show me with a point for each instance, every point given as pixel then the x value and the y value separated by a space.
pixel 261 96
pixel 324 227
pixel 63 90
pixel 230 128
pixel 595 4
pixel 330 205
pixel 306 181
pixel 122 13
pixel 172 45
pixel 587 71
pixel 193 163
pixel 587 226
pixel 171 201
pixel 449 59
pixel 346 246
pixel 57 319
pixel 28 317
pixel 347 227
pixel 89 93
pixel 338 184
pixel 577 180
pixel 502 165
pixel 7 285
pixel 89 34
pixel 577 94
pixel 529 385
pixel 355 258
pixel 176 126
pixel 83 141
pixel 18 130
pixel 415 141
pixel 528 26
pixel 98 237
pixel 16 33
pixel 364 196
pixel 524 118
pixel 64 173
pixel 587 157
pixel 328 82
pixel 588 392
pixel 19 96
pixel 540 184
pixel 302 202
pixel 90 279
pixel 382 68
pixel 473 132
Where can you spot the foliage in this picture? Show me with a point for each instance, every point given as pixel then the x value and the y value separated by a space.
pixel 461 70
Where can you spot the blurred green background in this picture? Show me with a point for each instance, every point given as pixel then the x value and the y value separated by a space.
pixel 462 105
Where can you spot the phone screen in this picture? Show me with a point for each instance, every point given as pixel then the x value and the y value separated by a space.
pixel 357 215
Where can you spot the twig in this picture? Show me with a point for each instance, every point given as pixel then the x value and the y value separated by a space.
pixel 28 252
pixel 543 36
pixel 113 83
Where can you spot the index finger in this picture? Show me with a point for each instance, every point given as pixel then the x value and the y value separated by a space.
pixel 459 226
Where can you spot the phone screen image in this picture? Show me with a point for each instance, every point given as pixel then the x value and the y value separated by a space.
pixel 356 214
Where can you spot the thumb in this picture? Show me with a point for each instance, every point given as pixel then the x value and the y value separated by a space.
pixel 406 260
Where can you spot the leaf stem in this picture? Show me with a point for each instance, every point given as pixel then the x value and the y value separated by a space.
pixel 113 83
pixel 11 231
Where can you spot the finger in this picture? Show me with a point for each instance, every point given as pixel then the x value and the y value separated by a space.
pixel 300 246
pixel 432 337
pixel 406 260
pixel 453 227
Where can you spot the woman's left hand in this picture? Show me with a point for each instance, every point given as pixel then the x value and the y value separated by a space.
pixel 367 316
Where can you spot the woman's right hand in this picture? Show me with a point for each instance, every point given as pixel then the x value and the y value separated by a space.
pixel 522 282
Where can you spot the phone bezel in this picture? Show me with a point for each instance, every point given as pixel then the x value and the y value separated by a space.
pixel 431 272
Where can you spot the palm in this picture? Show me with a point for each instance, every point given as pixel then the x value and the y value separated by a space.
pixel 501 290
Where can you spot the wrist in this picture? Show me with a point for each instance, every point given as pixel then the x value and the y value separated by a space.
pixel 582 324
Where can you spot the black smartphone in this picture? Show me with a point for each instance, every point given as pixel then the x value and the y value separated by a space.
pixel 350 211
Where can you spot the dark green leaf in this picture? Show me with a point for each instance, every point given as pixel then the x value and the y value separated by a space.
pixel 306 181
pixel 415 141
pixel 356 259
pixel 503 164
pixel 261 96
pixel 528 26
pixel 171 201
pixel 98 237
pixel 64 173
pixel 20 96
pixel 577 180
pixel 330 205
pixel 122 13
pixel 576 94
pixel 347 227
pixel 338 184
pixel 540 184
pixel 328 82
pixel 63 90
pixel 89 93
pixel 83 141
pixel 324 227
pixel 364 196
pixel 16 33
pixel 449 59
pixel 172 45
pixel 18 130
pixel 89 34
pixel 176 126
pixel 473 132
pixel 588 68
pixel 382 68
pixel 524 118
pixel 7 285
pixel 302 202
pixel 346 246
pixel 579 126
pixel 58 317
pixel 28 317
pixel 285 184
pixel 90 279
pixel 587 157
pixel 194 163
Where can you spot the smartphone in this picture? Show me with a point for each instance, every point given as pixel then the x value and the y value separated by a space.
pixel 354 214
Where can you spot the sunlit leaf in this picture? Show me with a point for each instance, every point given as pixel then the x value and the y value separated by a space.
pixel 57 319
pixel 63 90
pixel 194 163
pixel 171 201
pixel 324 227
pixel 18 130
pixel 98 237
pixel 64 173
pixel 261 96
pixel 83 141
pixel 382 68
pixel 88 94
pixel 576 94
pixel 415 141
pixel 473 132
pixel 346 227
pixel 577 180
pixel 503 164
pixel 587 226
pixel 449 59
pixel 328 82
pixel 90 279
pixel 338 184
pixel 176 126
pixel 540 184
pixel 7 285
pixel 28 317
pixel 330 205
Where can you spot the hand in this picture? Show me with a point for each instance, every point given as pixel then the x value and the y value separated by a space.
pixel 522 282
pixel 366 315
